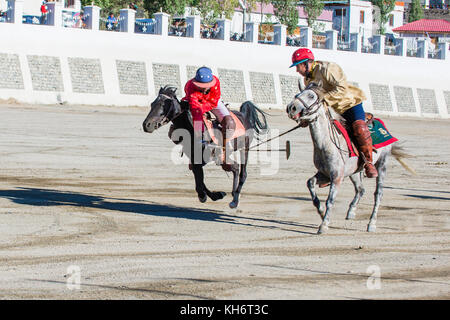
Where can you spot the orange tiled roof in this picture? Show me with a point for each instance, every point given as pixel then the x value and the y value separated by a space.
pixel 425 25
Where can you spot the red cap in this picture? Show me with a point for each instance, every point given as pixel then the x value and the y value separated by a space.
pixel 301 55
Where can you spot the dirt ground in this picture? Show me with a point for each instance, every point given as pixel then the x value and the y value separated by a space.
pixel 91 207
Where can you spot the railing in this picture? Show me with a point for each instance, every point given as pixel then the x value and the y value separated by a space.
pixel 73 19
pixel 319 41
pixel 177 31
pixel 344 45
pixel 110 24
pixel 68 18
pixel 210 32
pixel 147 26
pixel 294 41
pixel 235 36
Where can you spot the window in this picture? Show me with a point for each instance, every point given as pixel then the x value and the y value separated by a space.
pixel 361 17
pixel 391 20
pixel 340 12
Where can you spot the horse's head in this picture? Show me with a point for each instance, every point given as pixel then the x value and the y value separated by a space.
pixel 163 109
pixel 305 105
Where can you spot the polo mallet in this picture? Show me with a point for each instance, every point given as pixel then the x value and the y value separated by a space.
pixel 287 149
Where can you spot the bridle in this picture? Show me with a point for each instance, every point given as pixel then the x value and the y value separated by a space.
pixel 166 119
pixel 310 111
pixel 310 114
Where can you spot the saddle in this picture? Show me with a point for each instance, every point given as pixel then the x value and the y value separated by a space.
pixel 379 134
pixel 213 124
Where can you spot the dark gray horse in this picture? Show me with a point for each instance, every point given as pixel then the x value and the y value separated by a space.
pixel 331 157
pixel 166 108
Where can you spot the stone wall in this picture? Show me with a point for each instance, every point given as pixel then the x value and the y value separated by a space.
pixel 45 73
pixel 86 75
pixel 11 73
pixel 61 68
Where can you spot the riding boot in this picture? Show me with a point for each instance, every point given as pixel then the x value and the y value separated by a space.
pixel 364 142
pixel 228 127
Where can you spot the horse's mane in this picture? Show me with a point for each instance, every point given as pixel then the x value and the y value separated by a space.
pixel 317 88
pixel 169 90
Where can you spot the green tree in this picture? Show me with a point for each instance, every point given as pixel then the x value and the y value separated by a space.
pixel 313 9
pixel 416 11
pixel 287 13
pixel 113 6
pixel 171 7
pixel 386 7
pixel 210 10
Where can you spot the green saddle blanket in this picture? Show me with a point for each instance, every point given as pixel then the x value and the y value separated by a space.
pixel 380 135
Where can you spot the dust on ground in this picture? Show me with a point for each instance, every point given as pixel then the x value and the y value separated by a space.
pixel 91 207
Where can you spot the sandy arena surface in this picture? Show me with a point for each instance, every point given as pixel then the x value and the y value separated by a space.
pixel 86 195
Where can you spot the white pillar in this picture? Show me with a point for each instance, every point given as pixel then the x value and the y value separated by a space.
pixel 378 44
pixel 332 40
pixel 225 29
pixel 15 11
pixel 306 37
pixel 401 47
pixel 193 27
pixel 422 49
pixel 55 14
pixel 162 24
pixel 251 32
pixel 77 5
pixel 355 42
pixel 92 17
pixel 279 34
pixel 127 20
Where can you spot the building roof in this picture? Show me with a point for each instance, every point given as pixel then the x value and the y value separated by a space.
pixel 425 25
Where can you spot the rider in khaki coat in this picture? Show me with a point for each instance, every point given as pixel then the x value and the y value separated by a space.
pixel 344 98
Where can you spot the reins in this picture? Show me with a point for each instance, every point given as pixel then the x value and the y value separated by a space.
pixel 166 116
pixel 334 134
pixel 311 115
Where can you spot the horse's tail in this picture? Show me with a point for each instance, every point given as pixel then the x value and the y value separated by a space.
pixel 252 113
pixel 399 153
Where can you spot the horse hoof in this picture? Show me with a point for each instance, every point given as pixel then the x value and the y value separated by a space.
pixel 218 195
pixel 322 229
pixel 203 199
pixel 371 228
pixel 233 204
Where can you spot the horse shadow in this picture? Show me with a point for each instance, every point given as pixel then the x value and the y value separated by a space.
pixel 49 198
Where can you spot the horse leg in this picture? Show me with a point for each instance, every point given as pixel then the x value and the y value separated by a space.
pixel 202 191
pixel 381 166
pixel 311 184
pixel 242 177
pixel 335 183
pixel 197 169
pixel 359 192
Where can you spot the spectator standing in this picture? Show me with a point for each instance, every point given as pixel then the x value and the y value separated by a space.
pixel 44 12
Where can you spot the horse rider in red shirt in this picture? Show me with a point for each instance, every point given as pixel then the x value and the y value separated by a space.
pixel 203 95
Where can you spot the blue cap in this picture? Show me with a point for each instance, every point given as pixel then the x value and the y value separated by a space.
pixel 204 78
